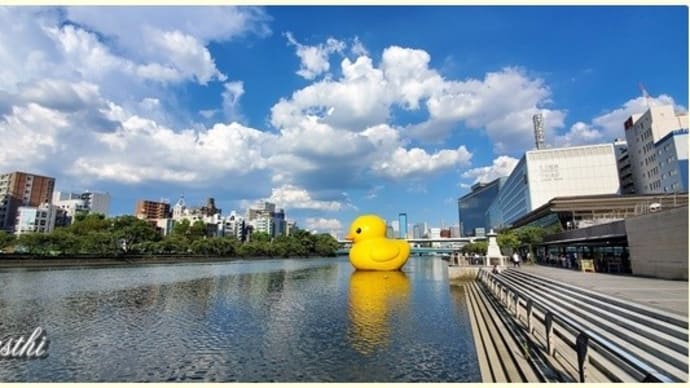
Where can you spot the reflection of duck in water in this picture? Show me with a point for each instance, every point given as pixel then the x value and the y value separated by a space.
pixel 371 250
pixel 374 295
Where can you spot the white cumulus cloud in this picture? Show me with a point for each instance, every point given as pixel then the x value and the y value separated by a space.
pixel 231 100
pixel 416 161
pixel 292 197
pixel 323 225
pixel 314 60
pixel 501 166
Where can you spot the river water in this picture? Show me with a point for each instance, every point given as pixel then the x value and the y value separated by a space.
pixel 263 320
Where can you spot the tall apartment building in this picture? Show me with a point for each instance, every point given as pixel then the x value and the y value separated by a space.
pixel 642 133
pixel 402 225
pixel 22 189
pixel 152 210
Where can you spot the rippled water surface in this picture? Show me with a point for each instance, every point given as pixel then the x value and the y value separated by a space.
pixel 265 320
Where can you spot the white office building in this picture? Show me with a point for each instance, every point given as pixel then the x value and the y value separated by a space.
pixel 672 156
pixel 542 175
pixel 39 219
pixel 642 132
pixel 234 225
pixel 87 201
pixel 264 217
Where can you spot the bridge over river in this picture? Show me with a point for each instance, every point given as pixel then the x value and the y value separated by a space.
pixel 449 245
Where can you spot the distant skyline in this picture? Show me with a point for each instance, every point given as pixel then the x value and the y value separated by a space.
pixel 329 112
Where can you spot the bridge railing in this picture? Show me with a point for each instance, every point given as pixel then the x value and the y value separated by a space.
pixel 555 325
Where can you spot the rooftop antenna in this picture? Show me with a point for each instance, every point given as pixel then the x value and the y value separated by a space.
pixel 538 121
pixel 645 95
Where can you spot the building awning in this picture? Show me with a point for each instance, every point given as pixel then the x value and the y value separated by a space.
pixel 596 239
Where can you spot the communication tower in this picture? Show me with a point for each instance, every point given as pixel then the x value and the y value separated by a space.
pixel 538 120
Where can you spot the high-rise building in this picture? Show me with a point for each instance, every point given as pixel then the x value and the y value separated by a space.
pixel 625 177
pixel 262 209
pixel 672 156
pixel 402 224
pixel 152 210
pixel 455 231
pixel 264 217
pixel 390 233
pixel 472 206
pixel 419 230
pixel 542 175
pixel 642 133
pixel 234 225
pixel 22 189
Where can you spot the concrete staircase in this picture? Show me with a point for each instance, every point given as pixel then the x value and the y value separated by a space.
pixel 564 333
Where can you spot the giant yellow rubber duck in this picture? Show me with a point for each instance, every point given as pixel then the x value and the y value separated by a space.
pixel 371 250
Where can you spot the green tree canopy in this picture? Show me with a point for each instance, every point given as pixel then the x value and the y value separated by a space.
pixel 508 239
pixel 325 245
pixel 260 237
pixel 6 239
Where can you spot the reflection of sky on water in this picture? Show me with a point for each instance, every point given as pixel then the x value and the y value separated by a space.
pixel 272 320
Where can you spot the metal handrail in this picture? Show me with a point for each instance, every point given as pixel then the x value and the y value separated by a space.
pixel 583 337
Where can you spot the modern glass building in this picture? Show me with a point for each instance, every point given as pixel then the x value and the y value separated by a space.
pixel 402 225
pixel 472 207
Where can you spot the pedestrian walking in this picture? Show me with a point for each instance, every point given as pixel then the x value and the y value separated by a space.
pixel 516 259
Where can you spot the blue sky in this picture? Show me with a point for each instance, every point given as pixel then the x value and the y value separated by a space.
pixel 328 111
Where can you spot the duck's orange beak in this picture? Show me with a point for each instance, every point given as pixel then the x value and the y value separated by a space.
pixel 350 237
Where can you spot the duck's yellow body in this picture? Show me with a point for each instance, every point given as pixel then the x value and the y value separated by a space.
pixel 371 250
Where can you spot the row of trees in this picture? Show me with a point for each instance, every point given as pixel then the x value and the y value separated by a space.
pixel 526 237
pixel 93 234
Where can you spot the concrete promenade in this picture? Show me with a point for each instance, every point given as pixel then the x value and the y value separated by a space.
pixel 667 295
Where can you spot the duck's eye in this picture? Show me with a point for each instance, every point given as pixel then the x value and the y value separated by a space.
pixel 358 231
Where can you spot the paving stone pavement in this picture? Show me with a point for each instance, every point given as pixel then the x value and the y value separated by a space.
pixel 667 295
